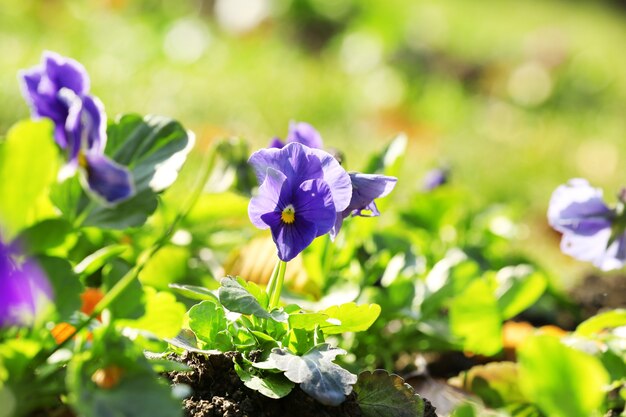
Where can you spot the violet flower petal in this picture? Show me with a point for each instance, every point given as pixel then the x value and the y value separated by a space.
pixel 107 179
pixel 290 239
pixel 65 72
pixel 313 201
pixel 305 134
pixel 267 199
pixel 596 249
pixel 24 291
pixel 276 143
pixel 365 189
pixel 579 208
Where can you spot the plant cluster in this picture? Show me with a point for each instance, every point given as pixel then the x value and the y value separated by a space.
pixel 105 277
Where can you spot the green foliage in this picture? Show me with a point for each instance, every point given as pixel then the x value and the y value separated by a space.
pixel 163 317
pixel 271 385
pixel 607 320
pixel 562 381
pixel 315 371
pixel 381 394
pixel 28 164
pixel 474 318
pixel 114 378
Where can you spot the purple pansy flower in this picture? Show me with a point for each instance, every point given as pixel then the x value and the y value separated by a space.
pixel 24 290
pixel 301 194
pixel 435 178
pixel 58 89
pixel 365 189
pixel 300 132
pixel 591 230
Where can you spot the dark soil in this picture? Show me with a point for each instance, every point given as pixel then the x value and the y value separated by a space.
pixel 600 292
pixel 217 391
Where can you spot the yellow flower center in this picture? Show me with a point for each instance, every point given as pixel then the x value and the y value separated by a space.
pixel 82 160
pixel 288 215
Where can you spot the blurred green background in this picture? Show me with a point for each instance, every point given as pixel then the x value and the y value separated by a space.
pixel 516 97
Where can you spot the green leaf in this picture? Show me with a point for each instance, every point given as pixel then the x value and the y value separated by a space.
pixel 153 147
pixel 28 166
pixel 65 283
pixel 186 340
pixel 465 410
pixel 389 159
pixel 206 320
pixel 562 381
pixel 475 318
pixel 167 266
pixel 194 292
pixel 608 320
pixel 271 385
pixel 46 235
pixel 130 213
pixel 306 321
pixel 234 294
pixel 380 394
pixel 66 197
pixel 98 259
pixel 496 383
pixel 135 390
pixel 519 287
pixel 317 375
pixel 164 315
pixel 130 304
pixel 349 318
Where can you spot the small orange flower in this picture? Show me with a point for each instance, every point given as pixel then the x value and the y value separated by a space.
pixel 90 298
pixel 108 377
pixel 62 331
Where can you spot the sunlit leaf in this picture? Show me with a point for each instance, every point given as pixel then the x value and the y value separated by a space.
pixel 562 381
pixel 167 266
pixel 235 296
pixel 475 318
pixel 271 385
pixel 495 383
pixel 349 317
pixel 98 259
pixel 519 287
pixel 153 147
pixel 380 394
pixel 194 292
pixel 207 319
pixel 164 315
pixel 28 166
pixel 607 320
pixel 317 375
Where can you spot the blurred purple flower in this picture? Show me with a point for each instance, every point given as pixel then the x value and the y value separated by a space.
pixel 24 290
pixel 58 89
pixel 365 189
pixel 302 192
pixel 300 132
pixel 435 178
pixel 591 230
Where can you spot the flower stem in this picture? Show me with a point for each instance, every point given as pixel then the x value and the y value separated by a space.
pixel 131 275
pixel 279 278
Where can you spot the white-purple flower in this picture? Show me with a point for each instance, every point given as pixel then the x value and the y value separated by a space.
pixel 592 231
pixel 365 189
pixel 435 178
pixel 302 192
pixel 58 89
pixel 24 290
pixel 300 132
